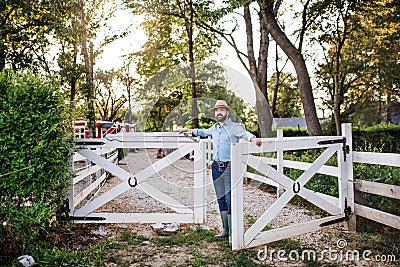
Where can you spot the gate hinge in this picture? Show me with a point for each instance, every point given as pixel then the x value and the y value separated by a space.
pixel 89 143
pixel 84 218
pixel 347 212
pixel 345 148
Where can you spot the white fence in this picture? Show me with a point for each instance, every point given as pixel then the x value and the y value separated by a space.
pixel 390 191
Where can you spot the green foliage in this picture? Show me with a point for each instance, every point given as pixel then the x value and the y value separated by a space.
pixel 290 132
pixel 168 101
pixel 386 138
pixel 34 159
pixel 172 28
pixel 25 29
pixel 132 238
pixel 188 237
pixel 94 255
pixel 288 100
pixel 361 43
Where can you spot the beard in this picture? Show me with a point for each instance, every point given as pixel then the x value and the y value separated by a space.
pixel 221 118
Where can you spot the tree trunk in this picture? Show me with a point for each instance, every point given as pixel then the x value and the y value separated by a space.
pixel 258 74
pixel 295 56
pixel 89 74
pixel 336 92
pixel 2 53
pixel 276 87
pixel 129 100
pixel 189 30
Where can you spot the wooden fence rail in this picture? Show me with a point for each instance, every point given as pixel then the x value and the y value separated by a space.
pixel 88 176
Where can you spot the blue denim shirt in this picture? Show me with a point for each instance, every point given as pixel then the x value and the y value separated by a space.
pixel 222 137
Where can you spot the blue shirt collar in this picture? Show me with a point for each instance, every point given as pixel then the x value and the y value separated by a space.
pixel 226 123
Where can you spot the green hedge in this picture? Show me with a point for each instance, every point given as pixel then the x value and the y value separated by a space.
pixel 385 138
pixel 34 159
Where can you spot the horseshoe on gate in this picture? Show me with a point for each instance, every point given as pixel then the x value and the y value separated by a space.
pixel 129 182
pixel 296 187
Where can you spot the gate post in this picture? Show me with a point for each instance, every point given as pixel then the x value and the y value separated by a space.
pixel 279 188
pixel 200 167
pixel 70 193
pixel 348 175
pixel 238 169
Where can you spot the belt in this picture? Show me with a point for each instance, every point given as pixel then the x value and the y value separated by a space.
pixel 222 164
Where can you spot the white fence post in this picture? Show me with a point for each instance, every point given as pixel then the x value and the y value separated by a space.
pixel 209 151
pixel 200 182
pixel 70 194
pixel 238 169
pixel 279 188
pixel 348 175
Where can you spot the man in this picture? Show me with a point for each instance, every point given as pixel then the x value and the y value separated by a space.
pixel 223 133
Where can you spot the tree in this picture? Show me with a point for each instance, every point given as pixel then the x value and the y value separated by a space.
pixel 109 106
pixel 359 62
pixel 166 97
pixel 296 57
pixel 174 38
pixel 80 44
pixel 335 29
pixel 126 78
pixel 257 69
pixel 25 30
pixel 287 96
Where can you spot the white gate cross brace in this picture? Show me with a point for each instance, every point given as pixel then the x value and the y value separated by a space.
pixel 138 178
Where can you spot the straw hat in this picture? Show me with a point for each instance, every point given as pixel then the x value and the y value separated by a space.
pixel 220 104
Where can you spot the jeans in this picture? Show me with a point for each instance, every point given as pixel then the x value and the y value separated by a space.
pixel 222 185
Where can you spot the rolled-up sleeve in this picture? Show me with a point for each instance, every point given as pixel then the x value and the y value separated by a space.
pixel 202 133
pixel 242 133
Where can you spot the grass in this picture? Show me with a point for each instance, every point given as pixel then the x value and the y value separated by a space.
pixel 195 247
pixel 132 238
pixel 93 255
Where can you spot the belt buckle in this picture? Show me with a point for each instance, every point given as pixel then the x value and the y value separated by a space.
pixel 221 164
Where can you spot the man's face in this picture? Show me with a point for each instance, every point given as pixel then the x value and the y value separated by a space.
pixel 221 114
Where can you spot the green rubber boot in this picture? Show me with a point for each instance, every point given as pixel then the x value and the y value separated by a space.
pixel 230 228
pixel 225 230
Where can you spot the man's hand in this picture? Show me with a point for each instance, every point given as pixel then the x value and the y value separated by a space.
pixel 184 130
pixel 256 140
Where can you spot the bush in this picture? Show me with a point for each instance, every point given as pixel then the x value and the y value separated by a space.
pixel 34 159
pixel 385 138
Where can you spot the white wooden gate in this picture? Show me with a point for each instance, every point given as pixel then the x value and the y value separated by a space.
pixel 183 145
pixel 340 211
